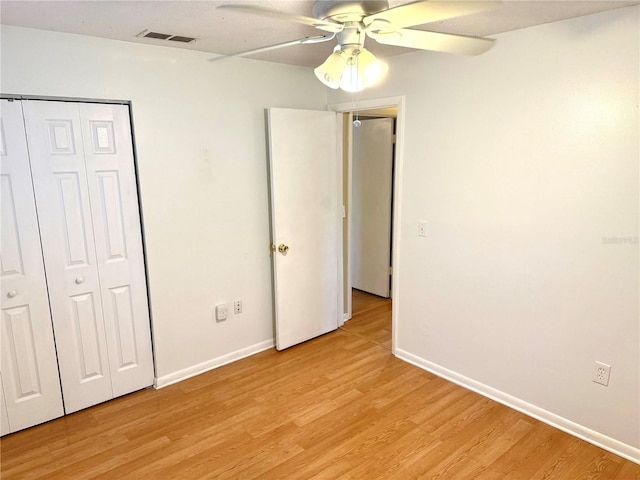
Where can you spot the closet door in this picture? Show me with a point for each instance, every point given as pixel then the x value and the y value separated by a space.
pixel 64 212
pixel 106 134
pixel 30 381
pixel 4 416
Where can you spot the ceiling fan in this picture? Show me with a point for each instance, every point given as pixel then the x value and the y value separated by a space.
pixel 351 66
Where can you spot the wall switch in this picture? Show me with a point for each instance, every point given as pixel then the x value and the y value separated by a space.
pixel 222 311
pixel 422 229
pixel 601 372
pixel 237 307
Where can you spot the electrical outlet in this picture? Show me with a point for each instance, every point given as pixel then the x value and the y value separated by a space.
pixel 222 311
pixel 237 307
pixel 601 372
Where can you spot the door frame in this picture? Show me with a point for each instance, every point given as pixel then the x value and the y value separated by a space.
pixel 362 105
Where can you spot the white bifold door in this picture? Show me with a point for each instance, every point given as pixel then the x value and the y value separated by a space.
pixel 81 159
pixel 30 384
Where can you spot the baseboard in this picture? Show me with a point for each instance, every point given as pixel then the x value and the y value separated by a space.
pixel 180 375
pixel 614 446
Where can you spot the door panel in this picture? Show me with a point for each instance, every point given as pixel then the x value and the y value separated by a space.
pixel 372 167
pixel 20 345
pixel 118 243
pixel 86 333
pixel 5 426
pixel 305 178
pixel 126 345
pixel 64 211
pixel 72 219
pixel 31 385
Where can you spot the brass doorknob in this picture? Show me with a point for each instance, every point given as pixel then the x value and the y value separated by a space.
pixel 283 249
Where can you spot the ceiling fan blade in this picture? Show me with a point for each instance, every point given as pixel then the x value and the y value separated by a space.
pixel 419 13
pixel 300 41
pixel 266 12
pixel 439 42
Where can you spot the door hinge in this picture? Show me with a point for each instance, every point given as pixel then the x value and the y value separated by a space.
pixel 390 270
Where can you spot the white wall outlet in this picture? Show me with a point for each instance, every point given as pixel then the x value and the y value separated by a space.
pixel 601 372
pixel 237 307
pixel 422 229
pixel 222 312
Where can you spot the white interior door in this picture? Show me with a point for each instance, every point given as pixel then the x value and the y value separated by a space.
pixel 306 193
pixel 62 194
pixel 111 178
pixel 31 384
pixel 372 177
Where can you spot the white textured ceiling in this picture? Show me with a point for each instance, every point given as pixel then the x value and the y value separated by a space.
pixel 227 32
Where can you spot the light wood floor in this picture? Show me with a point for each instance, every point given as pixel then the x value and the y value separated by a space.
pixel 337 407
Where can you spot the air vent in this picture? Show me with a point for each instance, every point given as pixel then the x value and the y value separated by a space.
pixel 159 36
pixel 177 38
pixel 165 36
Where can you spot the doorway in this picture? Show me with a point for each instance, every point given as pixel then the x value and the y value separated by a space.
pixel 371 201
pixel 384 107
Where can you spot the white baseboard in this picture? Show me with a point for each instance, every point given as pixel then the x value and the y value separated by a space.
pixel 614 446
pixel 180 375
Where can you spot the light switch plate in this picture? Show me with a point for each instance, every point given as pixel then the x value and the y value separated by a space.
pixel 222 312
pixel 422 229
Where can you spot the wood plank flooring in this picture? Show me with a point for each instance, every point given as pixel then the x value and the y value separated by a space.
pixel 337 407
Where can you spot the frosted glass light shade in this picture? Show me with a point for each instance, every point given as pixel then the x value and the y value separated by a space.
pixel 370 69
pixel 332 69
pixel 351 81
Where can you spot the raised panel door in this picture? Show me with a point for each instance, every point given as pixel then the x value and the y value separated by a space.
pixel 5 427
pixel 118 243
pixel 31 385
pixel 65 217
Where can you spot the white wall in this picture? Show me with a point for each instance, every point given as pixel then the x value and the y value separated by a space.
pixel 200 139
pixel 522 160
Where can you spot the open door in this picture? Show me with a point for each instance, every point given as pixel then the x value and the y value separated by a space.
pixel 306 223
pixel 372 178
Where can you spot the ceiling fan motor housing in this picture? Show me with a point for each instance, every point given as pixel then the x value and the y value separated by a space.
pixel 351 37
pixel 342 11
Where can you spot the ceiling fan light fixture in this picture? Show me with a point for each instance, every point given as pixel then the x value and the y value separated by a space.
pixel 350 80
pixel 351 21
pixel 352 71
pixel 331 71
pixel 370 69
pixel 363 70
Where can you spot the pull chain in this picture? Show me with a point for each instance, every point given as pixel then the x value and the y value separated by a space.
pixel 355 95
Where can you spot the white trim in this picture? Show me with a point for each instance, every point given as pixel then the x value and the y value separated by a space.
pixel 340 218
pixel 607 443
pixel 399 103
pixel 175 377
pixel 367 104
pixel 347 155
